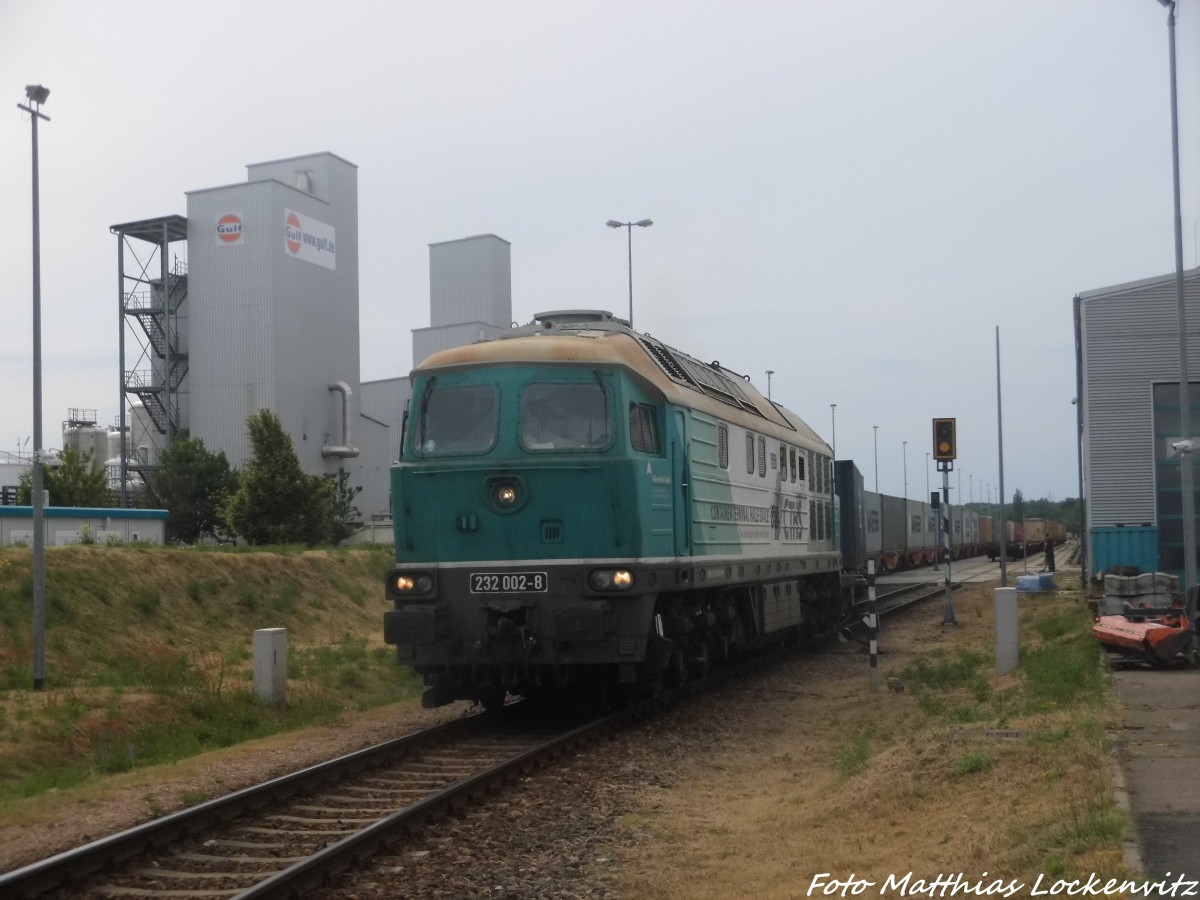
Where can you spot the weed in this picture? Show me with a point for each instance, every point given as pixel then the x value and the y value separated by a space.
pixel 1055 626
pixel 973 763
pixel 851 759
pixel 287 599
pixel 1096 826
pixel 145 600
pixel 1064 672
pixel 249 598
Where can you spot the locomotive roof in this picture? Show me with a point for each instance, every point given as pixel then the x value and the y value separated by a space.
pixel 596 337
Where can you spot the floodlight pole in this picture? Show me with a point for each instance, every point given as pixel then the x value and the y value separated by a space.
pixel 876 432
pixel 629 226
pixel 37 96
pixel 1187 479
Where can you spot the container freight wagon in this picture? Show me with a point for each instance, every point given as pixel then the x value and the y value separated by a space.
pixel 922 534
pixel 1024 538
pixel 849 484
pixel 894 532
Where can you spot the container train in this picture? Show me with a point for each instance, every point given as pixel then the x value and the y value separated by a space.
pixel 899 533
pixel 578 506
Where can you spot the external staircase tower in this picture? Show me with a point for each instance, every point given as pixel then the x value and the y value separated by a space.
pixel 153 286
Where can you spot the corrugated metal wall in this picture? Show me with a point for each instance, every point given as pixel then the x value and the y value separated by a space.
pixel 272 330
pixel 384 400
pixel 470 280
pixel 1130 340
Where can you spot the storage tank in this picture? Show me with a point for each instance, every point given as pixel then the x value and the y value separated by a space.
pixel 142 431
pixel 85 439
pixel 135 487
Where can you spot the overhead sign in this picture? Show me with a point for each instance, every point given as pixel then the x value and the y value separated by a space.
pixel 307 239
pixel 229 228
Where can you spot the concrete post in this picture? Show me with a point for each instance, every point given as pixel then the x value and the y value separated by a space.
pixel 270 666
pixel 1007 640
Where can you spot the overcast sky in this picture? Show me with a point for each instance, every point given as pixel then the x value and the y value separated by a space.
pixel 853 195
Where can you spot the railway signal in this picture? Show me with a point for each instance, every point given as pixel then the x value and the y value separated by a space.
pixel 945 447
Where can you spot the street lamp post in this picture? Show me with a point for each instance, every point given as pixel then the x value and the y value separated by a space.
pixel 37 96
pixel 907 518
pixel 629 226
pixel 1187 479
pixel 876 427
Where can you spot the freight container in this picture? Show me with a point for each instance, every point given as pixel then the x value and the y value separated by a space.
pixel 849 485
pixel 895 547
pixel 872 523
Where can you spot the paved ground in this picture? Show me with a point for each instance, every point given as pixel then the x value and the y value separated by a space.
pixel 1159 749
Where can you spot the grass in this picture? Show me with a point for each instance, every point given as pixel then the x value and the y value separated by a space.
pixel 149 662
pixel 959 770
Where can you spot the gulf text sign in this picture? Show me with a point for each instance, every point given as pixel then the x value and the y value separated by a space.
pixel 307 239
pixel 229 229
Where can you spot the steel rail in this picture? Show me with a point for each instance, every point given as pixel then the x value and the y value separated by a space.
pixel 74 865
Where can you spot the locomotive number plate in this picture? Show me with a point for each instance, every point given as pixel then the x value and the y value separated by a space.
pixel 508 582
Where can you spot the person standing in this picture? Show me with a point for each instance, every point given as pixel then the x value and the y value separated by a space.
pixel 1049 554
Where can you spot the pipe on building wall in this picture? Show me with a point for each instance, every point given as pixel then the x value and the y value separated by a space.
pixel 345 450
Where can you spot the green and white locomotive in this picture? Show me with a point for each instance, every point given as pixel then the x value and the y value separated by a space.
pixel 581 506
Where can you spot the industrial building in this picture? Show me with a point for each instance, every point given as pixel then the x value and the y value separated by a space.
pixel 251 301
pixel 1127 374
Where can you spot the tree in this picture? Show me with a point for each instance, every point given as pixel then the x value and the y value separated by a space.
pixel 344 515
pixel 1018 505
pixel 76 482
pixel 192 484
pixel 276 502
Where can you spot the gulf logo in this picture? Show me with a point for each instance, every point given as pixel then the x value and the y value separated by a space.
pixel 229 228
pixel 291 231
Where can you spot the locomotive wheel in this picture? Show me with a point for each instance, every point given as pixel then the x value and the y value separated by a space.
pixel 676 672
pixel 493 698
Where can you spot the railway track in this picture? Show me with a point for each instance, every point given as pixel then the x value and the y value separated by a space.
pixel 288 835
pixel 293 834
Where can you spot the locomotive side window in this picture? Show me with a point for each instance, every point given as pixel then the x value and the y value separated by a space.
pixel 643 429
pixel 749 453
pixel 792 463
pixel 800 466
pixel 723 445
pixel 762 457
pixel 457 419
pixel 565 416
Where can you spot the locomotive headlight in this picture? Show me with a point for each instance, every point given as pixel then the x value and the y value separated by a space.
pixel 410 584
pixel 506 494
pixel 610 580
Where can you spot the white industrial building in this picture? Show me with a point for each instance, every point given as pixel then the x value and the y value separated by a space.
pixel 1127 372
pixel 251 302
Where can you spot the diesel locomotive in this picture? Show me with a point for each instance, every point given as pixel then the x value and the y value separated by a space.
pixel 578 505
